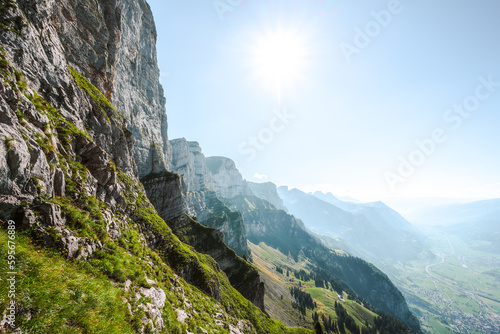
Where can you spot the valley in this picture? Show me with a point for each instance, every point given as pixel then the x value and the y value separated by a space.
pixel 458 292
pixel 121 229
pixel 277 271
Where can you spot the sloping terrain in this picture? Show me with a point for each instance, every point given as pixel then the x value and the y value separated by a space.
pixel 92 254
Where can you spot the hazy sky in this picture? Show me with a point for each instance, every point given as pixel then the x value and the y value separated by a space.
pixel 334 95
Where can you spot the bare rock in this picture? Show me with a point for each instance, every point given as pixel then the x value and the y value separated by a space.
pixel 156 294
pixel 70 244
pixel 189 162
pixel 228 181
pixel 59 182
pixel 52 214
pixel 29 218
pixel 112 227
pixel 167 192
pixel 181 315
pixel 8 206
pixel 27 108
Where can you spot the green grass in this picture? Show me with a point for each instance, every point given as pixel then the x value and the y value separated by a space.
pixel 97 96
pixel 76 296
pixel 8 143
pixel 60 296
pixel 413 278
pixel 326 305
pixel 439 328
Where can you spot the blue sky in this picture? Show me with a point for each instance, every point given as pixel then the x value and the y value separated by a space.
pixel 361 84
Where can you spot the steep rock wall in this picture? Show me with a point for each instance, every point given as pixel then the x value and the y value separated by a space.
pixel 269 192
pixel 137 91
pixel 189 162
pixel 210 211
pixel 228 182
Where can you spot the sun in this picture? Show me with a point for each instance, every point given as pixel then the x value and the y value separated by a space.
pixel 279 59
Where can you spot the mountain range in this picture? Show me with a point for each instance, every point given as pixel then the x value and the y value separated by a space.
pixel 122 230
pixel 372 230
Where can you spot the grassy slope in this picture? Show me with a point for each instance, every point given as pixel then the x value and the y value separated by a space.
pixel 61 296
pixel 87 296
pixel 277 284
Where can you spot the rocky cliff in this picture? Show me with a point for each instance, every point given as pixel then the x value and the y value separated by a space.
pixel 228 182
pixel 244 277
pixel 268 192
pixel 167 192
pixel 137 91
pixel 189 162
pixel 210 211
pixel 70 180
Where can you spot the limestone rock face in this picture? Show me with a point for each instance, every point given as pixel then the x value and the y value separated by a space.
pixel 112 44
pixel 242 275
pixel 167 192
pixel 228 182
pixel 210 211
pixel 203 203
pixel 137 91
pixel 189 162
pixel 268 192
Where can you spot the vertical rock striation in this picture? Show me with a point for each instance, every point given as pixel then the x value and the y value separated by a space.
pixel 189 162
pixel 202 203
pixel 137 91
pixel 268 192
pixel 228 182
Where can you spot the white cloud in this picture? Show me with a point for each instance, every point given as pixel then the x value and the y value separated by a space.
pixel 260 176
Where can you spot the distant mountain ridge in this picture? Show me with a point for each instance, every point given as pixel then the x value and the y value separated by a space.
pixel 373 230
pixel 334 200
pixel 265 219
pixel 476 223
pixel 452 214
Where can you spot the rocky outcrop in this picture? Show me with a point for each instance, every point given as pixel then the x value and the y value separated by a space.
pixel 242 275
pixel 228 182
pixel 210 211
pixel 268 192
pixel 167 192
pixel 204 204
pixel 112 44
pixel 156 301
pixel 189 162
pixel 137 91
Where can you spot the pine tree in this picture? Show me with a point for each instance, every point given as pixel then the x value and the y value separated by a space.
pixel 318 328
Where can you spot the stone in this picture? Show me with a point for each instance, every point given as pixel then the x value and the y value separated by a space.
pixel 29 218
pixel 59 182
pixel 70 244
pixel 156 295
pixel 189 162
pixel 181 315
pixel 228 182
pixel 8 207
pixel 52 214
pixel 268 192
